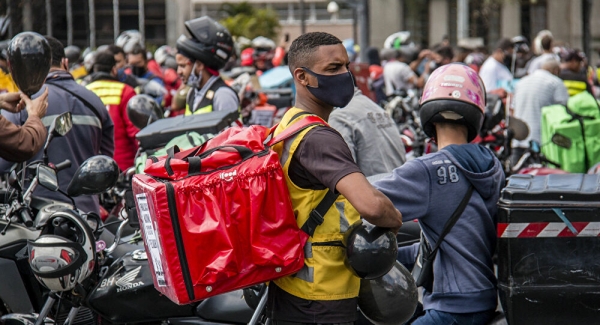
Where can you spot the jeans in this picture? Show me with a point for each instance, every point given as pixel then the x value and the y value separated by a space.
pixel 434 317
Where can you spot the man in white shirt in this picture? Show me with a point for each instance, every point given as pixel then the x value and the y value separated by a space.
pixel 494 72
pixel 398 75
pixel 541 88
pixel 545 56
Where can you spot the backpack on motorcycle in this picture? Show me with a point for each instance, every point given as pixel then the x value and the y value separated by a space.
pixel 578 121
pixel 183 142
pixel 218 217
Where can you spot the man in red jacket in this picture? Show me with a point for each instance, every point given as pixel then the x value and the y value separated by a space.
pixel 115 95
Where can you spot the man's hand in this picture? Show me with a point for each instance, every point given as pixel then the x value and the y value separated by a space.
pixel 372 205
pixel 36 107
pixel 10 102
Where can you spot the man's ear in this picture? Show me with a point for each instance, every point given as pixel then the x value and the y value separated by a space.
pixel 301 76
pixel 65 64
pixel 114 71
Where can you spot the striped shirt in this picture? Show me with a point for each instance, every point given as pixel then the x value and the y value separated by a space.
pixel 537 90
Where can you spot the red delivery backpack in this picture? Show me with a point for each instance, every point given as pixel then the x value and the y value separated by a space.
pixel 218 217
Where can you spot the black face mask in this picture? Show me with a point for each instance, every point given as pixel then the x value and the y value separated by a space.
pixel 138 71
pixel 336 90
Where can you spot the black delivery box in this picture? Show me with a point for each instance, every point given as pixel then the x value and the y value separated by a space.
pixel 159 133
pixel 549 249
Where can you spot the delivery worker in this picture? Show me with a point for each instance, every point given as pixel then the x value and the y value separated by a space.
pixel 209 47
pixel 318 165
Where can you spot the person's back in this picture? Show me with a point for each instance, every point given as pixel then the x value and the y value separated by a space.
pixel 398 76
pixel 115 95
pixel 494 72
pixel 92 133
pixel 431 188
pixel 371 135
pixel 539 89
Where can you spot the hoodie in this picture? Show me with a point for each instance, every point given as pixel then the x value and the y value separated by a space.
pixel 429 189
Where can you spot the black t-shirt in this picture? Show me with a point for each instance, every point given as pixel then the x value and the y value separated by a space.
pixel 320 161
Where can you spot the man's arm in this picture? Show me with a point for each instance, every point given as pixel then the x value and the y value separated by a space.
pixel 372 205
pixel 561 95
pixel 17 143
pixel 107 143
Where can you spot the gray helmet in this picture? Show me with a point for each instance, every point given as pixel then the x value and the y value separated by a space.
pixel 73 53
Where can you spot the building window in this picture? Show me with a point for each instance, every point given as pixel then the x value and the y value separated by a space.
pixel 416 20
pixel 533 18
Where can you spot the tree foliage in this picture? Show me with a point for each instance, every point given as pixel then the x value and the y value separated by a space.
pixel 243 19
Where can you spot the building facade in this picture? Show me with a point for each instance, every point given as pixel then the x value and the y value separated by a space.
pixel 96 22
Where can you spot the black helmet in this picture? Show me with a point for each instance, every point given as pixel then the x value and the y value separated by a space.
pixel 73 53
pixel 143 110
pixel 29 58
pixel 370 250
pixel 96 175
pixel 210 42
pixel 390 299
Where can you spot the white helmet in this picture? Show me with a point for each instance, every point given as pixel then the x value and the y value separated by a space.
pixel 65 254
pixel 162 54
pixel 88 61
pixel 263 43
pixel 129 39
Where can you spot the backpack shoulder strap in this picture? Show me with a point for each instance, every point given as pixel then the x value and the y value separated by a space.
pixel 290 131
pixel 83 100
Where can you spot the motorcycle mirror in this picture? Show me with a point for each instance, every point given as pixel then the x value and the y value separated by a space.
pixel 561 141
pixel 47 177
pixel 520 128
pixel 60 126
pixel 96 175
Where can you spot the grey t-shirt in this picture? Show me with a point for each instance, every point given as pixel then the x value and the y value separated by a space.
pixel 371 135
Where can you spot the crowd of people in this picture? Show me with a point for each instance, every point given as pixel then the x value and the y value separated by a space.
pixel 353 142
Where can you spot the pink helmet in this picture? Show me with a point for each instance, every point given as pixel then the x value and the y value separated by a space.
pixel 454 93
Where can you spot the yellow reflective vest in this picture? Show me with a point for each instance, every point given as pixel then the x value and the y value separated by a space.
pixel 324 275
pixel 206 104
pixel 110 92
pixel 6 83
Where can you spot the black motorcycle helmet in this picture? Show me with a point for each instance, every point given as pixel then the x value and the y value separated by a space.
pixel 142 110
pixel 209 42
pixel 96 175
pixel 29 58
pixel 390 299
pixel 370 250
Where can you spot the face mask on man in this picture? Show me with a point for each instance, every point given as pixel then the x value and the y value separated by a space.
pixel 335 90
pixel 138 71
pixel 194 77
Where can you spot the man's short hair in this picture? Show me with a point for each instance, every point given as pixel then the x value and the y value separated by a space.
pixel 115 49
pixel 547 42
pixel 104 61
pixel 137 49
pixel 57 49
pixel 302 48
pixel 445 52
pixel 504 44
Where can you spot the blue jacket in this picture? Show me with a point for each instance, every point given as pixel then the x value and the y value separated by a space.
pixel 429 189
pixel 89 136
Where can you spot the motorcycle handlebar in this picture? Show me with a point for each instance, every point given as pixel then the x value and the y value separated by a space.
pixel 26 218
pixel 62 165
